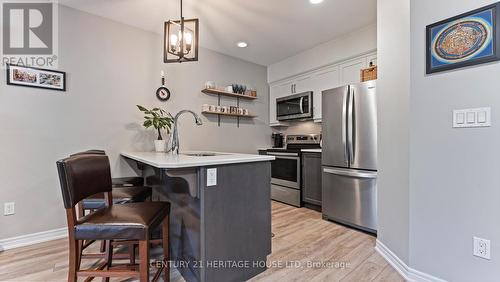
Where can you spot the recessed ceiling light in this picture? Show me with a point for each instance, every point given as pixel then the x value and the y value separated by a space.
pixel 242 44
pixel 315 1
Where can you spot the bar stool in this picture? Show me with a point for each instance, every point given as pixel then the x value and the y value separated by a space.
pixel 85 175
pixel 125 190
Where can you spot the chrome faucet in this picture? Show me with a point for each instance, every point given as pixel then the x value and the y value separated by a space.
pixel 174 138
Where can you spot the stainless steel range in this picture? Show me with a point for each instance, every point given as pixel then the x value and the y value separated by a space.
pixel 286 170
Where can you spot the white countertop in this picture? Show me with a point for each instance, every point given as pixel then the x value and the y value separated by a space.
pixel 311 150
pixel 164 160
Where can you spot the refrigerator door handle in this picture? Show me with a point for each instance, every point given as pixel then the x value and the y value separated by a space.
pixel 350 125
pixel 350 173
pixel 344 126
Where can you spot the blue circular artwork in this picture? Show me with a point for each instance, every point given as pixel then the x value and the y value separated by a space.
pixel 462 40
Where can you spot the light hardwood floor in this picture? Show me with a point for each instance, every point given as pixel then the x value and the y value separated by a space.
pixel 305 248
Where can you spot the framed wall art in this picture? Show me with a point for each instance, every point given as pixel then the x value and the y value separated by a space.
pixel 35 77
pixel 468 39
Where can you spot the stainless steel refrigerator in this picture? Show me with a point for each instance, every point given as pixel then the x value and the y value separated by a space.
pixel 349 156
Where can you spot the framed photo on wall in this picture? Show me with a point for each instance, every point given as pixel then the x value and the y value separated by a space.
pixel 468 39
pixel 36 77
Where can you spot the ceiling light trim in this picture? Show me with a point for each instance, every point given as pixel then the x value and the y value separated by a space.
pixel 315 2
pixel 242 44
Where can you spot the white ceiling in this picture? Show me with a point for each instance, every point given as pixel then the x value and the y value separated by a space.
pixel 274 29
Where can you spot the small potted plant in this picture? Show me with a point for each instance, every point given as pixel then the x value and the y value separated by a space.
pixel 160 120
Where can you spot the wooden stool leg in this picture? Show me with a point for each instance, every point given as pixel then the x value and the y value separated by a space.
pixel 144 260
pixel 80 244
pixel 103 247
pixel 73 260
pixel 108 257
pixel 131 252
pixel 166 248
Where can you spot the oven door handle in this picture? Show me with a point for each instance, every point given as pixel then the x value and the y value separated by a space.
pixel 301 105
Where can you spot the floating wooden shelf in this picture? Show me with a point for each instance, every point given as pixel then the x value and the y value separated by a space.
pixel 224 93
pixel 227 114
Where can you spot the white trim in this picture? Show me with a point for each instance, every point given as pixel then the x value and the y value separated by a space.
pixel 34 238
pixel 408 273
pixel 339 62
pixel 393 260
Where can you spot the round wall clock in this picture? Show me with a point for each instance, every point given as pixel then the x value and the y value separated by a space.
pixel 163 94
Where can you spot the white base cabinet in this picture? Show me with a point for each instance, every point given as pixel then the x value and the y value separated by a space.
pixel 335 75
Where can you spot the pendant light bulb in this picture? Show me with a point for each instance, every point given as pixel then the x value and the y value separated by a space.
pixel 189 38
pixel 173 43
pixel 173 39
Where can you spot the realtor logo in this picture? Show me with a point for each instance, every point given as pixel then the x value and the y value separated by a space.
pixel 29 33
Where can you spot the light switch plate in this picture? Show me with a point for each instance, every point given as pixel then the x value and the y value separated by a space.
pixel 471 117
pixel 460 118
pixel 211 176
pixel 478 117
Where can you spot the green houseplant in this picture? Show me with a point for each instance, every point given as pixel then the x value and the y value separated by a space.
pixel 159 120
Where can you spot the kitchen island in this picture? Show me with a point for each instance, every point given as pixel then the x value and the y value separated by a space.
pixel 220 220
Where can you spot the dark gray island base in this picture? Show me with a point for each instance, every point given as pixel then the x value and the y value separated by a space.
pixel 218 233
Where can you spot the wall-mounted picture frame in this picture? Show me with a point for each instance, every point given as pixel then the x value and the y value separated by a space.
pixel 36 77
pixel 465 40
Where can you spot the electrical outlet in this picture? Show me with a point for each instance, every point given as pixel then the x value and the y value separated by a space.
pixel 9 209
pixel 212 177
pixel 482 248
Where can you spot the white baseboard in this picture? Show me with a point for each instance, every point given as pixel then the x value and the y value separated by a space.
pixel 35 238
pixel 408 273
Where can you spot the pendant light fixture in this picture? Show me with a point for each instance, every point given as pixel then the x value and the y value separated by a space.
pixel 181 40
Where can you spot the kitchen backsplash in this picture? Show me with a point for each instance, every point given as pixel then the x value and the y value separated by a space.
pixel 302 127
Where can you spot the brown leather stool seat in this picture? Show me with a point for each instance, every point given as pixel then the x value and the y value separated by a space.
pixel 128 221
pixel 120 196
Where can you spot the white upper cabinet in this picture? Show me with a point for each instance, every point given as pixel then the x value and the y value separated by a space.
pixel 323 80
pixel 273 94
pixel 302 84
pixel 298 85
pixel 348 72
pixel 278 91
pixel 286 89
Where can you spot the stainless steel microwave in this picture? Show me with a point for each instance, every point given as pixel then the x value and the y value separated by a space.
pixel 298 106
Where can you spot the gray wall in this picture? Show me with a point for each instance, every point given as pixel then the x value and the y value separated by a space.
pixel 454 172
pixel 393 94
pixel 111 68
